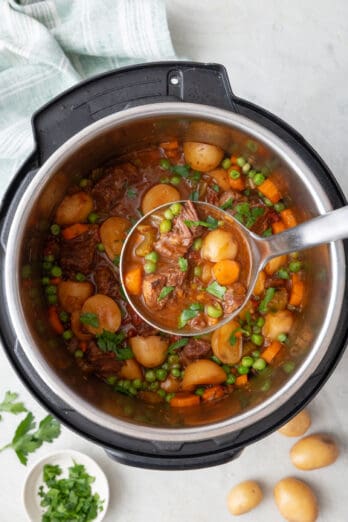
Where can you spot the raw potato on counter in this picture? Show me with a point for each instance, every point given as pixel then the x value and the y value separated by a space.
pixel 313 452
pixel 244 497
pixel 296 500
pixel 297 426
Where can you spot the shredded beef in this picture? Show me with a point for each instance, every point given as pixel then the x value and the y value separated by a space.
pixel 110 187
pixel 195 349
pixel 104 363
pixel 78 254
pixel 234 195
pixel 211 196
pixel 233 297
pixel 106 282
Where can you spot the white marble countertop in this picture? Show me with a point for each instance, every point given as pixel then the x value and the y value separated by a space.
pixel 291 58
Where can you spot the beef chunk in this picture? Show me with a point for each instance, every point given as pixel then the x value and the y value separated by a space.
pixel 211 196
pixel 233 297
pixel 195 349
pixel 180 238
pixel 110 188
pixel 262 223
pixel 175 277
pixel 107 282
pixel 77 255
pixel 152 286
pixel 234 195
pixel 104 363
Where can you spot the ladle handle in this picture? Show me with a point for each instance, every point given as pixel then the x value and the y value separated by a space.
pixel 322 229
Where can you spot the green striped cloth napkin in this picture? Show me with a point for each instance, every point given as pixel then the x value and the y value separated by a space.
pixel 48 45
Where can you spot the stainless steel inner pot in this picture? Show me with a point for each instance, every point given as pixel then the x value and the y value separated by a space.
pixel 121 133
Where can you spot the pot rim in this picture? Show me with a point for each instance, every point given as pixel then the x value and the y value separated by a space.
pixel 12 260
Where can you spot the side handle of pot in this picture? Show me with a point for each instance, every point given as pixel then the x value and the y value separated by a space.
pixel 128 87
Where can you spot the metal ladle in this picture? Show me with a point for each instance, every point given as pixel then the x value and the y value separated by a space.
pixel 322 229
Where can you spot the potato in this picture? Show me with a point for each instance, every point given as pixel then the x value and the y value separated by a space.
pixel 260 283
pixel 220 176
pixel 277 323
pixel 72 295
pixel 296 500
pixel 112 234
pixel 149 351
pixel 202 371
pixel 274 264
pixel 107 312
pixel 74 209
pixel 297 426
pixel 131 370
pixel 313 452
pixel 206 275
pixel 219 245
pixel 244 497
pixel 221 346
pixel 159 195
pixel 201 156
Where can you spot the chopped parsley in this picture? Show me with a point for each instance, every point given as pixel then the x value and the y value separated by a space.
pixel 181 170
pixel 178 344
pixel 216 188
pixel 228 204
pixel 216 290
pixel 90 319
pixel 112 342
pixel 194 196
pixel 233 337
pixel 183 264
pixel 131 193
pixel 166 290
pixel 189 313
pixel 210 222
pixel 263 306
pixel 10 405
pixel 116 260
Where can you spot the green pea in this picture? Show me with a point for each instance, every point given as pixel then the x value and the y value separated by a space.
pixel 175 180
pixel 46 265
pixel 154 386
pixel 49 258
pixel 231 379
pixel 260 322
pixel 247 361
pixel 169 396
pixel 176 208
pixel 165 164
pixel 173 359
pixel 295 266
pixel 255 354
pixel 152 256
pixel 165 226
pixel 93 217
pixel 80 277
pixel 251 173
pixel 67 335
pixel 175 372
pixel 279 207
pixel 282 337
pixel 214 311
pixel 197 244
pixel 137 384
pixel 226 368
pixel 168 214
pixel 161 374
pixel 111 379
pixel 64 316
pixel 197 271
pixel 257 339
pixel 199 391
pixel 256 329
pixel 267 202
pixel 165 366
pixel 55 229
pixel 161 393
pixel 126 384
pixel 260 364
pixel 150 376
pixel 84 182
pixel 150 267
pixel 100 247
pixel 259 178
pixel 283 273
pixel 234 174
pixel 242 370
pixel 288 366
pixel 266 385
pixel 78 354
pixel 241 161
pixel 45 281
pixel 56 271
pixel 132 391
pixel 226 163
pixel 52 299
pixel 164 180
pixel 246 168
pixel 51 290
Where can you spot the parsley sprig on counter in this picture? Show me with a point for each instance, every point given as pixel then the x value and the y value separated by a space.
pixel 70 499
pixel 10 405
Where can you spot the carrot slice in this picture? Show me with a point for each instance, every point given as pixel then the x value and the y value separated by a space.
pixel 297 290
pixel 215 392
pixel 54 320
pixel 278 227
pixel 271 351
pixel 226 271
pixel 270 190
pixel 83 346
pixel 288 218
pixel 184 400
pixel 169 145
pixel 133 280
pixel 234 160
pixel 242 380
pixel 74 230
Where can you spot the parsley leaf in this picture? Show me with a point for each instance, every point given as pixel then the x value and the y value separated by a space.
pixel 116 260
pixel 183 264
pixel 9 405
pixel 26 440
pixel 166 290
pixel 227 204
pixel 109 341
pixel 216 290
pixel 233 337
pixel 90 319
pixel 180 343
pixel 189 313
pixel 194 196
pixel 124 353
pixel 263 306
pixel 131 193
pixel 181 170
pixel 210 222
pixel 216 188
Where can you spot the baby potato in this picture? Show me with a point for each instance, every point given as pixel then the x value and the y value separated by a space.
pixel 274 264
pixel 202 371
pixel 149 351
pixel 107 312
pixel 220 176
pixel 277 323
pixel 72 295
pixel 131 370
pixel 244 497
pixel 112 234
pixel 201 156
pixel 219 245
pixel 297 426
pixel 74 209
pixel 159 195
pixel 221 346
pixel 260 283
pixel 313 452
pixel 295 500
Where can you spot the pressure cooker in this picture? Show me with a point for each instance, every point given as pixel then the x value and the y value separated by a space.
pixel 84 127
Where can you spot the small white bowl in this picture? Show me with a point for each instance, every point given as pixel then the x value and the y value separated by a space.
pixel 64 459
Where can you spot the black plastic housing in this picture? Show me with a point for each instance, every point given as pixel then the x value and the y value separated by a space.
pixel 72 111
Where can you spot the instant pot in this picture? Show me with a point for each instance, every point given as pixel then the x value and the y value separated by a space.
pixel 83 128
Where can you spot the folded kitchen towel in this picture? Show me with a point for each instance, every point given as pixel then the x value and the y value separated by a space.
pixel 48 45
